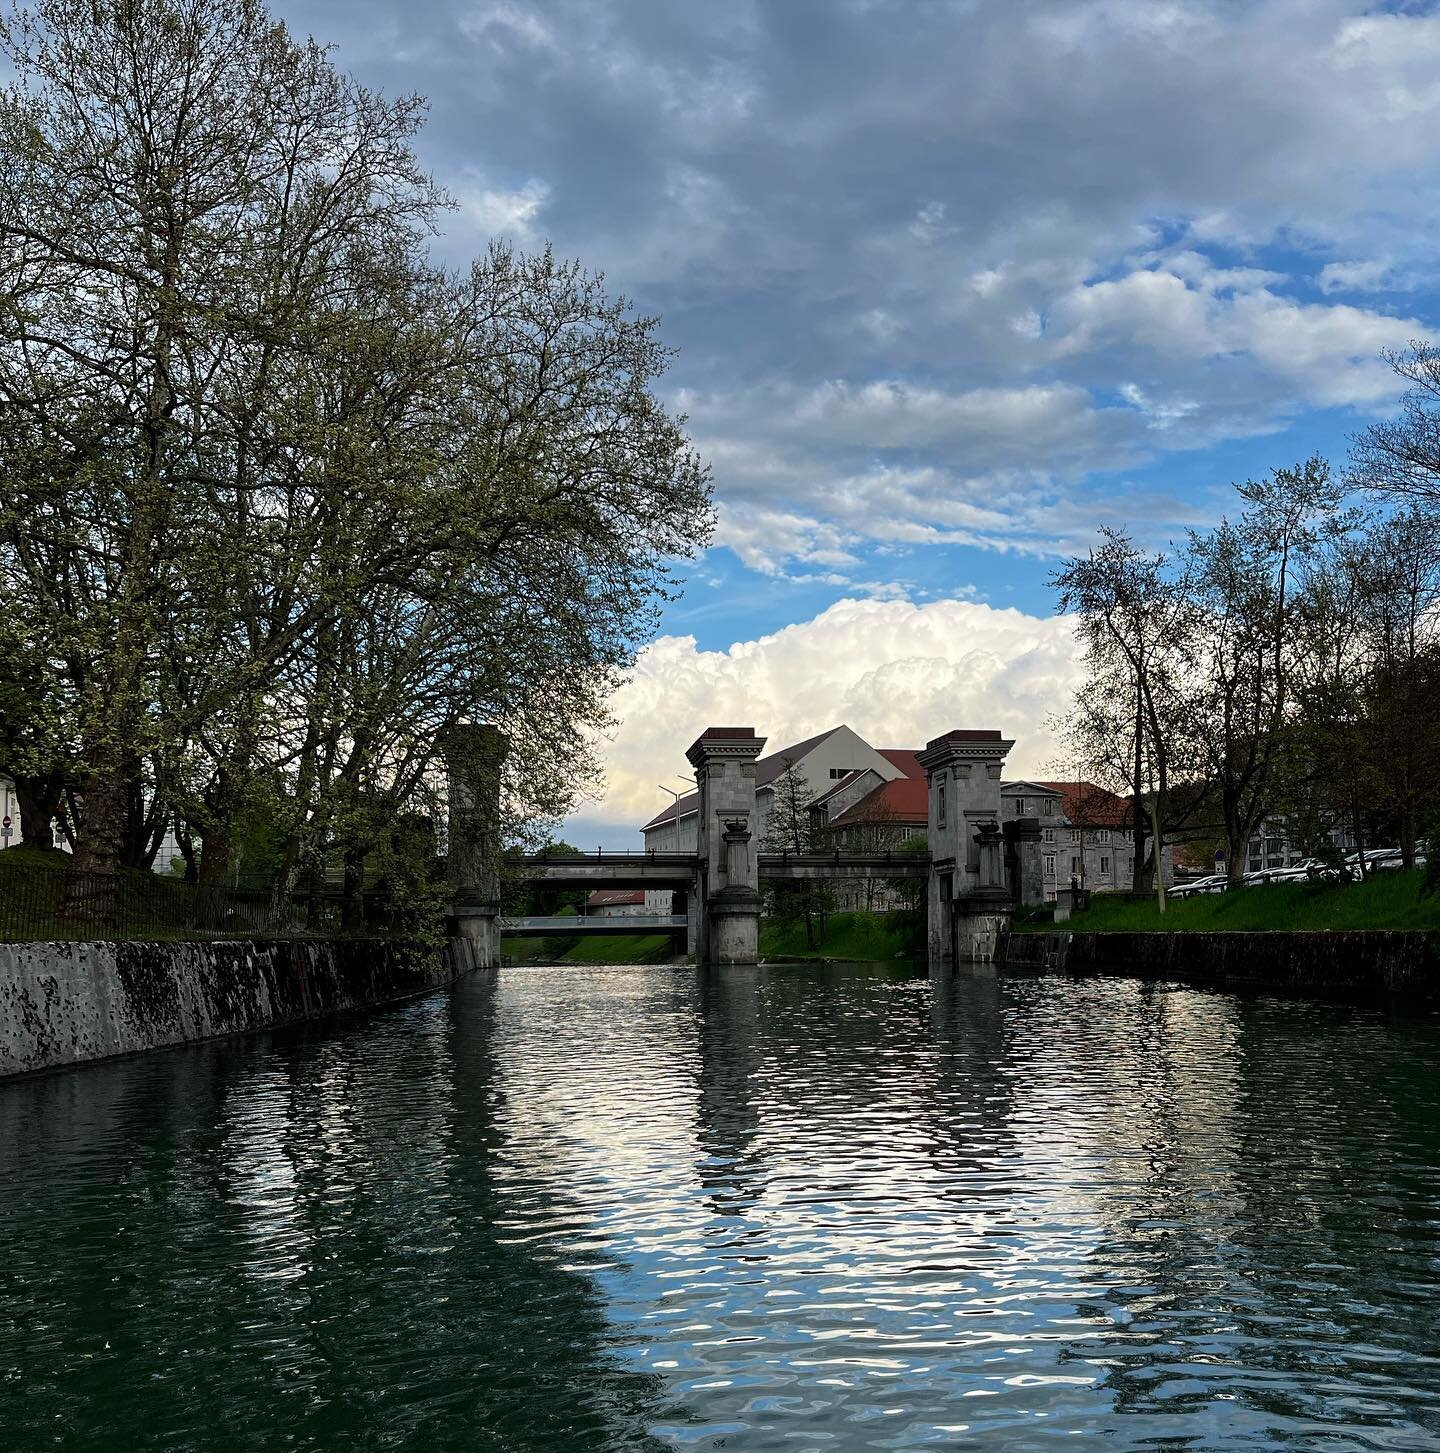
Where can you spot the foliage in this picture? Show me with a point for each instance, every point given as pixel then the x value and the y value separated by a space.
pixel 285 500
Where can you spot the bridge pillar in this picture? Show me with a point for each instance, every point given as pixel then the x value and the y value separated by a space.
pixel 727 906
pixel 473 757
pixel 969 898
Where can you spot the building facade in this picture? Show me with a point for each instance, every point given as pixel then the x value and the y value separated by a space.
pixel 874 799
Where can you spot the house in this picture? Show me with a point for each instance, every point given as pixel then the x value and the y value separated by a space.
pixel 615 903
pixel 821 762
pixel 1086 834
pixel 1271 846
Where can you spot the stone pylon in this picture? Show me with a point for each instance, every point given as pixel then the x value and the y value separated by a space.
pixel 969 897
pixel 473 759
pixel 728 898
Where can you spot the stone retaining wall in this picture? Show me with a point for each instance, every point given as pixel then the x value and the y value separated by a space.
pixel 1328 963
pixel 62 1003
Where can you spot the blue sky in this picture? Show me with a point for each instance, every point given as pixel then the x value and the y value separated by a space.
pixel 953 282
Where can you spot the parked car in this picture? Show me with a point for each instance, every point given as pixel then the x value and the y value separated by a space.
pixel 1214 883
pixel 1376 860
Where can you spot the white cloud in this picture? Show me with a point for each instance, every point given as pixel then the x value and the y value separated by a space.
pixel 897 672
pixel 498 212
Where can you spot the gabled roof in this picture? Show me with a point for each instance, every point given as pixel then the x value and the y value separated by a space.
pixel 904 801
pixel 1024 784
pixel 767 769
pixel 849 779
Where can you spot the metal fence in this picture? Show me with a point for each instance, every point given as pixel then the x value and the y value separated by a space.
pixel 48 904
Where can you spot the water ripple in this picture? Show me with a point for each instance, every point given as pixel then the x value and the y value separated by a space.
pixel 799 1208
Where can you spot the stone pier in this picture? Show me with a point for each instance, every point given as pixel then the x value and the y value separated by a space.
pixel 726 904
pixel 473 759
pixel 970 898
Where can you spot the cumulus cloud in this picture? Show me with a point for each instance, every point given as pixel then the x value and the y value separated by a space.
pixel 897 672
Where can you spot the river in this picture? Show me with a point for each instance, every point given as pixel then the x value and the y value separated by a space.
pixel 799 1208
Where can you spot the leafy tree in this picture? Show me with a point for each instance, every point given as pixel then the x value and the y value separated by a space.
pixel 286 500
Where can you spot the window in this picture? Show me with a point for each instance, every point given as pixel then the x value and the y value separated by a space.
pixel 1019 807
pixel 1104 865
pixel 1049 834
pixel 1048 807
pixel 1102 835
pixel 1075 865
pixel 940 814
pixel 1049 865
pixel 836 773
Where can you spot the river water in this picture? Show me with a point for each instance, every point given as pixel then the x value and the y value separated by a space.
pixel 794 1208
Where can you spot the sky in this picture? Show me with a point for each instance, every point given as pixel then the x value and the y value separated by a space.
pixel 952 283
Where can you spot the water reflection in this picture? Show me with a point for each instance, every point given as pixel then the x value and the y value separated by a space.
pixel 805 1207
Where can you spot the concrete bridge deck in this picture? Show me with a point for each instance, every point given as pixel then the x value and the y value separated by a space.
pixel 561 925
pixel 644 869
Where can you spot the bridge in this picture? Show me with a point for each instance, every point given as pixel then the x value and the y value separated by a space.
pixel 974 872
pixel 647 869
pixel 561 925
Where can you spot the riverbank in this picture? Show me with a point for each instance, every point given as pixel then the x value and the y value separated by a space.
pixel 620 948
pixel 1332 963
pixel 860 936
pixel 66 1003
pixel 1384 902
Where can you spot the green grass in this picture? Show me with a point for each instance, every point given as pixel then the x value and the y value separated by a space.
pixel 27 855
pixel 628 948
pixel 847 936
pixel 1386 901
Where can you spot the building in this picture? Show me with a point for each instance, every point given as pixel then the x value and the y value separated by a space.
pixel 872 799
pixel 1086 833
pixel 1270 846
pixel 616 903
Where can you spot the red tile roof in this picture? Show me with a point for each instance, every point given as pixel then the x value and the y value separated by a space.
pixel 905 801
pixel 1087 805
pixel 613 897
pixel 907 760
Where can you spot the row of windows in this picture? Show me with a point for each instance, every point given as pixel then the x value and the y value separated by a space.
pixel 1075 835
pixel 1075 868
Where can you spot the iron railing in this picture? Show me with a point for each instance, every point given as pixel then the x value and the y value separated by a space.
pixel 48 904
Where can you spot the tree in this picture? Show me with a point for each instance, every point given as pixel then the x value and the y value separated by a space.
pixel 1243 583
pixel 289 500
pixel 1400 457
pixel 1132 624
pixel 790 828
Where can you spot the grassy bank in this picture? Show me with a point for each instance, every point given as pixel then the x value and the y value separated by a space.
pixel 632 948
pixel 847 936
pixel 1388 900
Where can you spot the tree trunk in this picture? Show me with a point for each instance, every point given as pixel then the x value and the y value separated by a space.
pixel 1137 807
pixel 210 879
pixel 39 799
pixel 352 908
